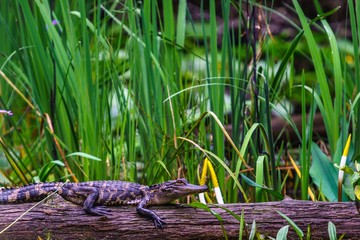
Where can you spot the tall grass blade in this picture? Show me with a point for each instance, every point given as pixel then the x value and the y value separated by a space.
pixel 354 14
pixel 260 169
pixel 328 114
pixel 305 166
pixel 298 231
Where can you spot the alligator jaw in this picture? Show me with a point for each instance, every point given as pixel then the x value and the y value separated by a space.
pixel 181 188
pixel 189 189
pixel 169 191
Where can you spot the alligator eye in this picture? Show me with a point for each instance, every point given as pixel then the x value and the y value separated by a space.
pixel 180 182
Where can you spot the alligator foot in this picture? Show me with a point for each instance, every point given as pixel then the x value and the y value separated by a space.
pixel 98 211
pixel 159 223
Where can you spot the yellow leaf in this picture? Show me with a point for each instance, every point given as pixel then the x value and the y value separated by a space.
pixel 357 191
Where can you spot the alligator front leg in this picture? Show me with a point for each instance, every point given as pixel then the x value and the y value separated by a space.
pixel 158 222
pixel 90 194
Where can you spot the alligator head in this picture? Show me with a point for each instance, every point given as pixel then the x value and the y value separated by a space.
pixel 169 191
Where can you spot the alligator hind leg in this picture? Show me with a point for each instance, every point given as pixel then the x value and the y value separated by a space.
pixel 91 194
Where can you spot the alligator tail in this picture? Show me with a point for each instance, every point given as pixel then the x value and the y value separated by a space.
pixel 28 193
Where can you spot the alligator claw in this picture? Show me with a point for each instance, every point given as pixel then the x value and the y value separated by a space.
pixel 159 224
pixel 98 211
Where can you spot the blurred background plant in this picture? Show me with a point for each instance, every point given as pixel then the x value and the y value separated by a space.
pixel 143 91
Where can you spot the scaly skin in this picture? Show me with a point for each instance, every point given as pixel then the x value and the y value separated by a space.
pixel 93 196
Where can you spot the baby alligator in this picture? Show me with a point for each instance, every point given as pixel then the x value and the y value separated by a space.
pixel 93 196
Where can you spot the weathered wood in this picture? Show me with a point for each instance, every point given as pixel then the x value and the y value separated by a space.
pixel 59 219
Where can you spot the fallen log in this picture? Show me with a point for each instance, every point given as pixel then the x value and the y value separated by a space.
pixel 59 219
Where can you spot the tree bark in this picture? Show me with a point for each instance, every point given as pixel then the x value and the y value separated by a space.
pixel 59 219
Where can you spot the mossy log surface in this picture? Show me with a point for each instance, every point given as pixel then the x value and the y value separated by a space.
pixel 59 219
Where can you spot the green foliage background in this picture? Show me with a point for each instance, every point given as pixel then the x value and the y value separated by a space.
pixel 142 92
